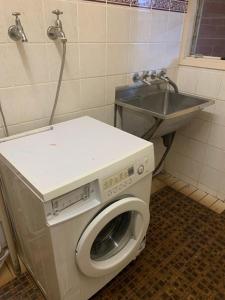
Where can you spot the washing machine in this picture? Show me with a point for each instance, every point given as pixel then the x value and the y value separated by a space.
pixel 78 196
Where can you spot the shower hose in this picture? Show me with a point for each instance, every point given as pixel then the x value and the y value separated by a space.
pixel 59 83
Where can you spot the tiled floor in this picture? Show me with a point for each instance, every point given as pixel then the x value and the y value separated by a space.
pixel 215 204
pixel 184 258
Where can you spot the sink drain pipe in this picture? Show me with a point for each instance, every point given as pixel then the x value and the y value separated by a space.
pixel 167 142
pixel 150 132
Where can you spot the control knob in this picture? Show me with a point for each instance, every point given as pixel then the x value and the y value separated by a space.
pixel 140 169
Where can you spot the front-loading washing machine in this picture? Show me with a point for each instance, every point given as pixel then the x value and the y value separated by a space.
pixel 78 195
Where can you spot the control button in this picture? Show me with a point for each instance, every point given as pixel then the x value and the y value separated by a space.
pixel 140 169
pixel 109 193
pixel 114 190
pixel 130 181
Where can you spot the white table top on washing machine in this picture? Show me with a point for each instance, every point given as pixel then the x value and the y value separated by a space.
pixel 53 161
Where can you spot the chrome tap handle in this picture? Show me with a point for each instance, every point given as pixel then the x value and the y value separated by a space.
pixel 153 74
pixel 16 14
pixel 57 12
pixel 162 73
pixel 136 77
pixel 145 74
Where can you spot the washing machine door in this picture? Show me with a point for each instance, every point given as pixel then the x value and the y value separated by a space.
pixel 113 237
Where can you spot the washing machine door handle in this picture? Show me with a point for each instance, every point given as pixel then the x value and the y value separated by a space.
pixel 93 265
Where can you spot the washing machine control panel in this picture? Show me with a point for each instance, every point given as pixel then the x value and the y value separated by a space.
pixel 121 180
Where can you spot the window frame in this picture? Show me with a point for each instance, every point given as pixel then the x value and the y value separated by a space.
pixel 207 62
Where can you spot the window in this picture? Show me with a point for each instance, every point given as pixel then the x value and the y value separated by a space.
pixel 209 29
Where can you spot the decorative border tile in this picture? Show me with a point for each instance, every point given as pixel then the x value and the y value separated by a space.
pixel 119 2
pixel 161 4
pixel 178 6
pixel 100 1
pixel 167 5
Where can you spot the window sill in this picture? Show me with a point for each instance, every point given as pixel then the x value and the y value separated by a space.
pixel 206 63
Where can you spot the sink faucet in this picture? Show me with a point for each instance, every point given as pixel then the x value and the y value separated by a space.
pixel 162 75
pixel 143 77
pixel 16 32
pixel 56 32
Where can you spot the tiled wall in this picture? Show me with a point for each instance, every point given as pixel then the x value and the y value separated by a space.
pixel 198 154
pixel 106 43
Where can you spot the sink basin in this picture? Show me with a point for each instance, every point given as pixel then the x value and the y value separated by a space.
pixel 151 103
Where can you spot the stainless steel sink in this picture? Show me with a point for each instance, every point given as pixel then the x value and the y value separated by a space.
pixel 144 105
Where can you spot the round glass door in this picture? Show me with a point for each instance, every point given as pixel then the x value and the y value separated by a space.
pixel 113 237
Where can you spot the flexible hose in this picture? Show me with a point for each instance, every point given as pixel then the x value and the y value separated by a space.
pixel 59 83
pixel 4 121
pixel 168 145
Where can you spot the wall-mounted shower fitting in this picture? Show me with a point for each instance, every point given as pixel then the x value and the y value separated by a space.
pixel 56 32
pixel 16 32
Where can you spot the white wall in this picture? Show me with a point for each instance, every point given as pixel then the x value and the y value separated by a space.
pixel 106 43
pixel 198 154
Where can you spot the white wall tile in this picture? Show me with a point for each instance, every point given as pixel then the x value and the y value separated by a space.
pixel 175 26
pixel 93 92
pixel 118 21
pixel 138 57
pixel 117 59
pixel 187 79
pixel 181 164
pixel 189 147
pixel 221 94
pixel 209 180
pixel 23 104
pixel 69 97
pixel 98 113
pixel 140 26
pixel 197 129
pixel 209 82
pixel 109 109
pixel 54 54
pixel 159 26
pixel 3 28
pixel 91 22
pixel 171 58
pixel 157 52
pixel 215 158
pixel 22 127
pixel 216 137
pixel 113 82
pixel 23 64
pixel 92 60
pixel 218 115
